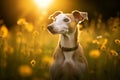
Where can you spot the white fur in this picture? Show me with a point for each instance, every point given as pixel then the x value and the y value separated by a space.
pixel 59 25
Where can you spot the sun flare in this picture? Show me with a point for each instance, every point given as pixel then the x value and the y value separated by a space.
pixel 43 3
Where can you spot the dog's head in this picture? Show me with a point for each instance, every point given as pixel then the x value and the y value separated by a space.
pixel 66 23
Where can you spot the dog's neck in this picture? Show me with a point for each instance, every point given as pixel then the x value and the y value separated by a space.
pixel 69 40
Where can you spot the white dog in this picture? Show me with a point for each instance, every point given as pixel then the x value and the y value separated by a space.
pixel 69 60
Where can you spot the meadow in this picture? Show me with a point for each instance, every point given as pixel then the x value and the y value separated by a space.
pixel 26 50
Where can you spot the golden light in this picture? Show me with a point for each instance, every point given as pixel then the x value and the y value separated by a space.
pixel 43 3
pixel 94 53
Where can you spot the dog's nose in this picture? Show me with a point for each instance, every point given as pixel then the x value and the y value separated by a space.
pixel 50 28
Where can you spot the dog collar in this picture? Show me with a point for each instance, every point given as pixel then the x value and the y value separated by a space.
pixel 68 49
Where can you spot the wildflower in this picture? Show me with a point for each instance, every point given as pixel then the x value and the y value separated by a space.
pixel 3 31
pixel 47 59
pixel 117 41
pixel 94 53
pixel 99 37
pixel 25 70
pixel 103 47
pixel 35 34
pixel 33 62
pixel 96 42
pixel 29 27
pixel 113 53
pixel 105 41
pixel 21 21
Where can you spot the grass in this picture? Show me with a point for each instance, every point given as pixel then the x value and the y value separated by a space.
pixel 26 50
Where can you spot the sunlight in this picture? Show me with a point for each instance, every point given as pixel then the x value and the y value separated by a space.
pixel 43 3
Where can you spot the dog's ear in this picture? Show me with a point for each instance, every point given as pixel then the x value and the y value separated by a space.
pixel 80 16
pixel 55 14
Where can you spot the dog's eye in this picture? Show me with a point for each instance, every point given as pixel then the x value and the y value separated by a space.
pixel 66 20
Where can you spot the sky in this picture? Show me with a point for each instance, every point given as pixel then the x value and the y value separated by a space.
pixel 11 10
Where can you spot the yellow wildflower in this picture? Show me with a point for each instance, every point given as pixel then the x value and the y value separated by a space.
pixel 94 53
pixel 25 70
pixel 117 41
pixel 35 34
pixel 96 42
pixel 47 59
pixel 29 27
pixel 3 31
pixel 99 37
pixel 33 62
pixel 113 53
pixel 105 41
pixel 103 47
pixel 21 21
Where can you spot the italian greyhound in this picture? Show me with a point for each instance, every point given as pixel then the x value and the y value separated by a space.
pixel 70 62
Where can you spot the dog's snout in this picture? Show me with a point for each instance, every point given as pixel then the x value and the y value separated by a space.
pixel 50 28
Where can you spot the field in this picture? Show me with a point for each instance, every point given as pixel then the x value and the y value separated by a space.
pixel 26 50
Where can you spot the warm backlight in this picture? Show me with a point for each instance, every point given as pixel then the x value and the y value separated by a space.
pixel 43 3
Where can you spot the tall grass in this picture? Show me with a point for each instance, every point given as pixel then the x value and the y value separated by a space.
pixel 26 50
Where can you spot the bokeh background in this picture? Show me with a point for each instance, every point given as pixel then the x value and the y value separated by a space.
pixel 26 47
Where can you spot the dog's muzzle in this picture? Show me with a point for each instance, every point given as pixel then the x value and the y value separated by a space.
pixel 50 28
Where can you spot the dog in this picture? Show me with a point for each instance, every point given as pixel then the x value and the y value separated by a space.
pixel 70 62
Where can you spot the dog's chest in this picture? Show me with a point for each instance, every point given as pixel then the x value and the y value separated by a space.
pixel 68 57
